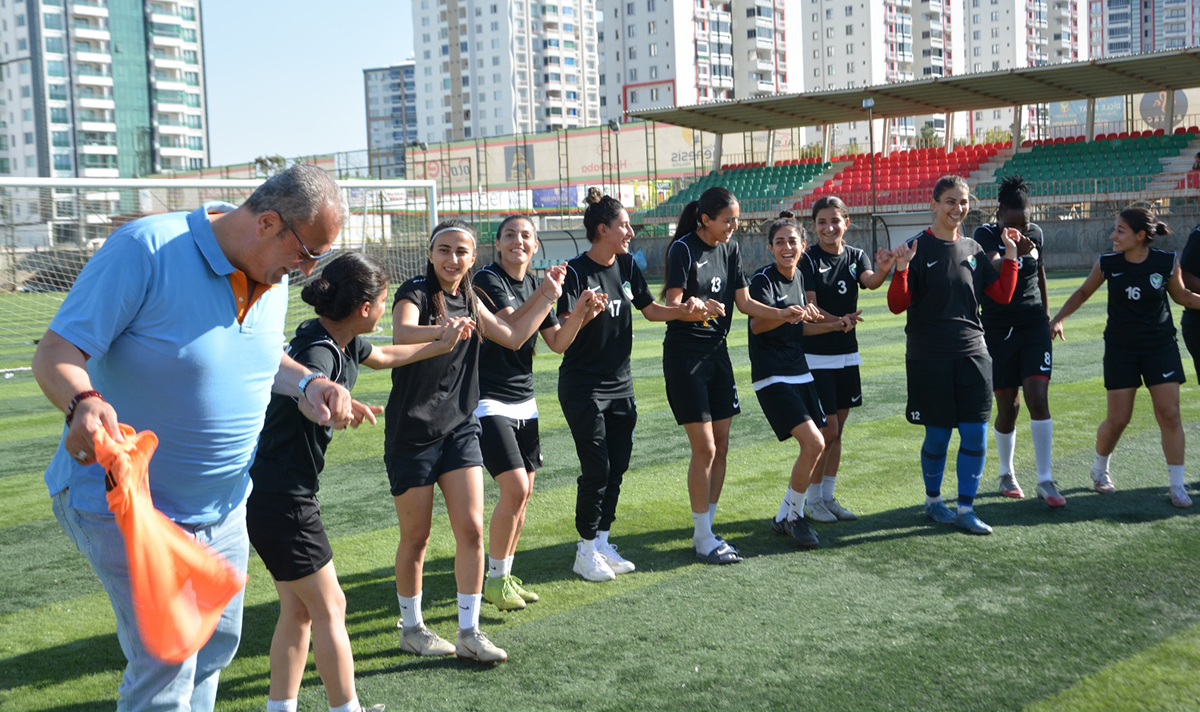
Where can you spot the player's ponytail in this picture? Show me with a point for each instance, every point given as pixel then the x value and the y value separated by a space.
pixel 1142 220
pixel 711 203
pixel 786 219
pixel 347 282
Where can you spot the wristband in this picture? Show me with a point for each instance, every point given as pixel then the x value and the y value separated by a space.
pixel 79 398
pixel 309 379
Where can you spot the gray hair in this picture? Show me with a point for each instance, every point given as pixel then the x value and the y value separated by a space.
pixel 298 195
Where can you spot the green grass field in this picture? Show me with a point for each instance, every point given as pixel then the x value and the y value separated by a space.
pixel 1093 607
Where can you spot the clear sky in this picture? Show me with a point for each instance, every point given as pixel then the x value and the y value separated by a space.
pixel 286 77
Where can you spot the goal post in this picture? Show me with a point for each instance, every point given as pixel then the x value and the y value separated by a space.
pixel 50 227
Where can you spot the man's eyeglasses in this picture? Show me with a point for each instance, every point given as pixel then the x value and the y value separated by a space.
pixel 308 254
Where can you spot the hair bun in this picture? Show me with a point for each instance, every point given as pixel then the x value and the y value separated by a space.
pixel 1160 228
pixel 786 214
pixel 594 196
pixel 318 291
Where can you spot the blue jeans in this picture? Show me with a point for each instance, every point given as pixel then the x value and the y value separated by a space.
pixel 149 684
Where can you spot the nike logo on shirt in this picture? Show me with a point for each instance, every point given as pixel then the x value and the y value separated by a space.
pixel 701 264
pixel 781 299
pixel 1117 274
pixel 930 264
pixel 823 270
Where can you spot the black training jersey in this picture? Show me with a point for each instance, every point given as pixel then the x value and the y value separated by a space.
pixel 507 375
pixel 834 279
pixel 780 351
pixel 1026 306
pixel 1189 261
pixel 946 280
pixel 596 365
pixel 706 272
pixel 1139 313
pixel 430 398
pixel 291 448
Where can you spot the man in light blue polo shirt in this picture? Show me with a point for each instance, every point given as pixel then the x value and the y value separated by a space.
pixel 176 326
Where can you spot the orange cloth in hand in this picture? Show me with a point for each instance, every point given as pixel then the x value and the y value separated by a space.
pixel 180 586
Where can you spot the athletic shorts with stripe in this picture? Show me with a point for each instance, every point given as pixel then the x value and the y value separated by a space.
pixel 944 392
pixel 700 388
pixel 787 405
pixel 1130 370
pixel 509 444
pixel 1019 353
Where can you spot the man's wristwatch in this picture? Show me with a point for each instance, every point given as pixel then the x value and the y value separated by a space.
pixel 309 379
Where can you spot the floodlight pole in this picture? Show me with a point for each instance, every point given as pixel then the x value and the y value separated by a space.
pixel 869 105
pixel 615 128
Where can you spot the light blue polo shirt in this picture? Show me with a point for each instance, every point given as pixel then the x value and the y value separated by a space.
pixel 155 311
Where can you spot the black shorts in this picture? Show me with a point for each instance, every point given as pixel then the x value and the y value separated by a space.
pixel 787 405
pixel 944 392
pixel 700 389
pixel 287 533
pixel 420 467
pixel 1130 370
pixel 509 444
pixel 838 388
pixel 1018 354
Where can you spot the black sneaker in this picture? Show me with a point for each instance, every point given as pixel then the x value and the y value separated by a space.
pixel 801 533
pixel 777 527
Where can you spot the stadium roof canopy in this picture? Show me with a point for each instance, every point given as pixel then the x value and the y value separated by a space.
pixel 1117 76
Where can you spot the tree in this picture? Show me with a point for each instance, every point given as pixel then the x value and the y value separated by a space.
pixel 267 166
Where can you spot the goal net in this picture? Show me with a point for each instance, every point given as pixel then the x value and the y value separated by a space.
pixel 50 227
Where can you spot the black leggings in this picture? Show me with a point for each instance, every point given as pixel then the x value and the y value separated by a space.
pixel 603 432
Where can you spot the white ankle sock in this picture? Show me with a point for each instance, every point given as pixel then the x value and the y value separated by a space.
pixel 507 568
pixel 813 492
pixel 587 546
pixel 468 610
pixel 1175 475
pixel 932 500
pixel 1100 466
pixel 785 507
pixel 703 539
pixel 1043 437
pixel 797 500
pixel 495 567
pixel 410 610
pixel 712 513
pixel 827 485
pixel 964 508
pixel 1006 445
pixel 601 539
pixel 282 705
pixel 351 706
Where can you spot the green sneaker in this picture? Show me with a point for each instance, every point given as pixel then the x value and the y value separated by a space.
pixel 500 591
pixel 525 594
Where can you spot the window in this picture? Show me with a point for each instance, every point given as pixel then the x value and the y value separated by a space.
pixel 28 137
pixel 54 44
pixel 62 161
pixel 849 30
pixel 58 115
pixel 654 50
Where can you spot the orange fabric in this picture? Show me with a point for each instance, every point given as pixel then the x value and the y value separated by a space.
pixel 243 294
pixel 180 586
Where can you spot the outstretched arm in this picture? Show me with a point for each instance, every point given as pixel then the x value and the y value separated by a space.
pixel 1093 281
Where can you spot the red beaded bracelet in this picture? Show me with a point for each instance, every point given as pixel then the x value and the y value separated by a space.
pixel 79 398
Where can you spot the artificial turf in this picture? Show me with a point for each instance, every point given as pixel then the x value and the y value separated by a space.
pixel 1091 607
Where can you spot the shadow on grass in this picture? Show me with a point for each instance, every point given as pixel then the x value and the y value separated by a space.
pixel 61 663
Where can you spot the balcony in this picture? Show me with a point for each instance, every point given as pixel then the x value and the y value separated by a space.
pixel 99 104
pixel 89 8
pixel 94 57
pixel 98 149
pixel 98 126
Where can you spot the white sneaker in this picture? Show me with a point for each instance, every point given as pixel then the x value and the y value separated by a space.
pixel 616 563
pixel 592 567
pixel 1102 483
pixel 1179 496
pixel 815 510
pixel 837 510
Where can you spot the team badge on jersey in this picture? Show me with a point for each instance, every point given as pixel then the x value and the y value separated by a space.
pixel 627 290
pixel 971 262
pixel 1156 280
pixel 854 270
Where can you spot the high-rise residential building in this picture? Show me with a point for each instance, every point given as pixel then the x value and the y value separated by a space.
pixel 1008 34
pixel 496 67
pixel 391 96
pixel 102 88
pixel 1120 27
pixel 682 52
pixel 857 43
